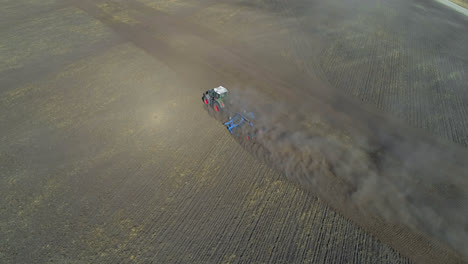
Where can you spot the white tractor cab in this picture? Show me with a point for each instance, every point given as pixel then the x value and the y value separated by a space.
pixel 215 97
pixel 221 91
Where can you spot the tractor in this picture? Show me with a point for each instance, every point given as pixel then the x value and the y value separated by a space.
pixel 215 98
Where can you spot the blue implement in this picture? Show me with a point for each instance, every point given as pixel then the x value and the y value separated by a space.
pixel 238 121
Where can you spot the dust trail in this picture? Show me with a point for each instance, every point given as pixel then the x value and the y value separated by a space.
pixel 393 174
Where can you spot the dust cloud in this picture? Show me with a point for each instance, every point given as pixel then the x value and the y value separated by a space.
pixel 367 165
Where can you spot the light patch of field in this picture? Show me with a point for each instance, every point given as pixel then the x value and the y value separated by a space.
pixel 70 102
pixel 218 14
pixel 12 9
pixel 169 6
pixel 32 3
pixel 235 19
pixel 46 195
pixel 117 13
pixel 229 259
pixel 455 75
pixel 463 3
pixel 120 231
pixel 55 34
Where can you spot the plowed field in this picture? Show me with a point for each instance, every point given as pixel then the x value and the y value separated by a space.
pixel 107 155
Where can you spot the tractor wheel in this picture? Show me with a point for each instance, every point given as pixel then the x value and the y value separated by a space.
pixel 205 100
pixel 216 107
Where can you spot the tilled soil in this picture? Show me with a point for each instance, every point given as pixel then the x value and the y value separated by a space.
pixel 107 154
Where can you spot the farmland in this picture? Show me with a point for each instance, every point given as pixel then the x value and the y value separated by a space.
pixel 462 3
pixel 107 154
